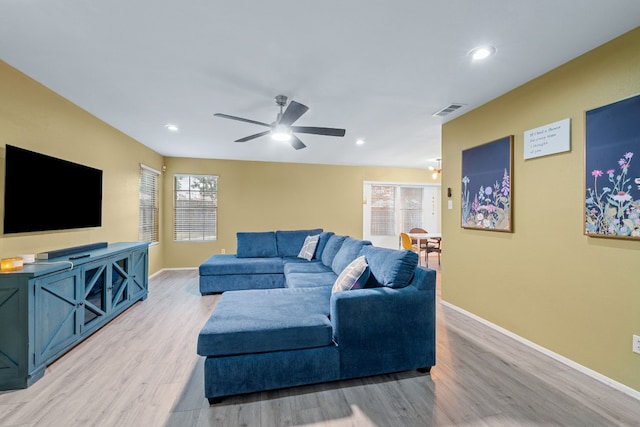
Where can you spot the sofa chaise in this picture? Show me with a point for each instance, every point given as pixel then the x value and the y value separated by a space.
pixel 346 310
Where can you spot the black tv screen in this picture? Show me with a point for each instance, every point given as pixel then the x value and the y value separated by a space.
pixel 43 193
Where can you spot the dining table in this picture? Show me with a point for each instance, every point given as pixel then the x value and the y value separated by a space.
pixel 422 238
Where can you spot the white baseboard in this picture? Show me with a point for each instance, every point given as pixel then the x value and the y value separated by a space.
pixel 172 269
pixel 583 369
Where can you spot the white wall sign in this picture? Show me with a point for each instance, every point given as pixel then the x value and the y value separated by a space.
pixel 548 139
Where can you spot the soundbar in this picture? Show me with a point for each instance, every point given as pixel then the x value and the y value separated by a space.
pixel 70 251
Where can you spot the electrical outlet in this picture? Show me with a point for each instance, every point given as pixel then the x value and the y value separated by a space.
pixel 636 344
pixel 223 251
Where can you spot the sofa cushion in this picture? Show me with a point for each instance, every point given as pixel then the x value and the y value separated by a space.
pixel 322 242
pixel 331 249
pixel 229 264
pixel 390 267
pixel 255 321
pixel 354 276
pixel 234 282
pixel 289 242
pixel 313 266
pixel 349 251
pixel 256 244
pixel 310 280
pixel 309 247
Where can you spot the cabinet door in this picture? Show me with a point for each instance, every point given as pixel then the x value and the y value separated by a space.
pixel 58 310
pixel 138 286
pixel 14 328
pixel 119 282
pixel 94 281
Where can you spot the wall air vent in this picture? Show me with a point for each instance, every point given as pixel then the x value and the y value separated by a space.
pixel 447 110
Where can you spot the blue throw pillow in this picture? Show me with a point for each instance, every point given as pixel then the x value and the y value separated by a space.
pixel 390 267
pixel 354 276
pixel 322 242
pixel 349 251
pixel 309 247
pixel 256 244
pixel 289 242
pixel 331 249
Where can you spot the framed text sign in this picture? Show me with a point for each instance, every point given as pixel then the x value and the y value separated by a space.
pixel 548 139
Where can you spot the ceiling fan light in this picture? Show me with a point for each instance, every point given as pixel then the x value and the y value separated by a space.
pixel 281 133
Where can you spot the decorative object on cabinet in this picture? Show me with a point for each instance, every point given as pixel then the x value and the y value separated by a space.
pixel 50 306
pixel 486 185
pixel 11 264
pixel 612 179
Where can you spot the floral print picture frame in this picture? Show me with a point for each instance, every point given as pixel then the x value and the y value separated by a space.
pixel 612 170
pixel 486 186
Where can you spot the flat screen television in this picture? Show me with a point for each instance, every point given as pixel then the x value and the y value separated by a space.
pixel 44 193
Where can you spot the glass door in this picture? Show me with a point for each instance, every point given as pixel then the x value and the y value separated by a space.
pixel 95 293
pixel 119 282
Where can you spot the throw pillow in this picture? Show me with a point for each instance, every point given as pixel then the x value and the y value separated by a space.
pixel 354 276
pixel 309 247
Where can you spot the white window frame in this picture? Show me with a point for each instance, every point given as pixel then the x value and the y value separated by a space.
pixel 430 211
pixel 149 205
pixel 195 212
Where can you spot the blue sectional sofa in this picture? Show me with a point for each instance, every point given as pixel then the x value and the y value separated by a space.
pixel 283 320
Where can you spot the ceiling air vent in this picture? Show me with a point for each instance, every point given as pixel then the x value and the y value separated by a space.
pixel 447 110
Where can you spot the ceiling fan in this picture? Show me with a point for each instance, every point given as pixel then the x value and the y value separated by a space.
pixel 281 129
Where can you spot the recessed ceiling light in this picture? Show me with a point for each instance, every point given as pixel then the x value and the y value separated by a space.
pixel 482 52
pixel 172 128
pixel 360 142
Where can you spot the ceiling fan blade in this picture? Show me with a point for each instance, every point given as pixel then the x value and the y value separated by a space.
pixel 240 119
pixel 318 131
pixel 293 112
pixel 296 143
pixel 254 136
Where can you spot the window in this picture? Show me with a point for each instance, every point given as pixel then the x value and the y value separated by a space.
pixel 411 207
pixel 390 208
pixel 148 205
pixel 383 210
pixel 195 207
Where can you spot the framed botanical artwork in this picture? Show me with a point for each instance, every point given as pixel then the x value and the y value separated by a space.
pixel 486 185
pixel 612 175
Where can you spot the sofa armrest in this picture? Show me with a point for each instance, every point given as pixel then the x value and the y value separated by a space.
pixel 384 329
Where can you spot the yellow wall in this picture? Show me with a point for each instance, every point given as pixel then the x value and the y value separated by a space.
pixel 252 196
pixel 35 118
pixel 575 295
pixel 259 196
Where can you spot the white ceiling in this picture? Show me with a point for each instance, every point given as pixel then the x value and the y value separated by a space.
pixel 379 69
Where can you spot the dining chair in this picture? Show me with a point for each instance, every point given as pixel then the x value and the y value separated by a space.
pixel 433 240
pixel 409 246
pixel 433 245
pixel 417 230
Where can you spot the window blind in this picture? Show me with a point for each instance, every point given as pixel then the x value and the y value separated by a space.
pixel 148 203
pixel 195 207
pixel 411 207
pixel 383 210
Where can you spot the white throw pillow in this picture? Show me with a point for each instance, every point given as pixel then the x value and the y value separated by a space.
pixel 354 276
pixel 309 247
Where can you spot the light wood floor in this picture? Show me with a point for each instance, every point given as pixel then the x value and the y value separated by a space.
pixel 142 370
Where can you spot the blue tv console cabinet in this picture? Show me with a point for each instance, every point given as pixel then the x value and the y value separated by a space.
pixel 50 306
